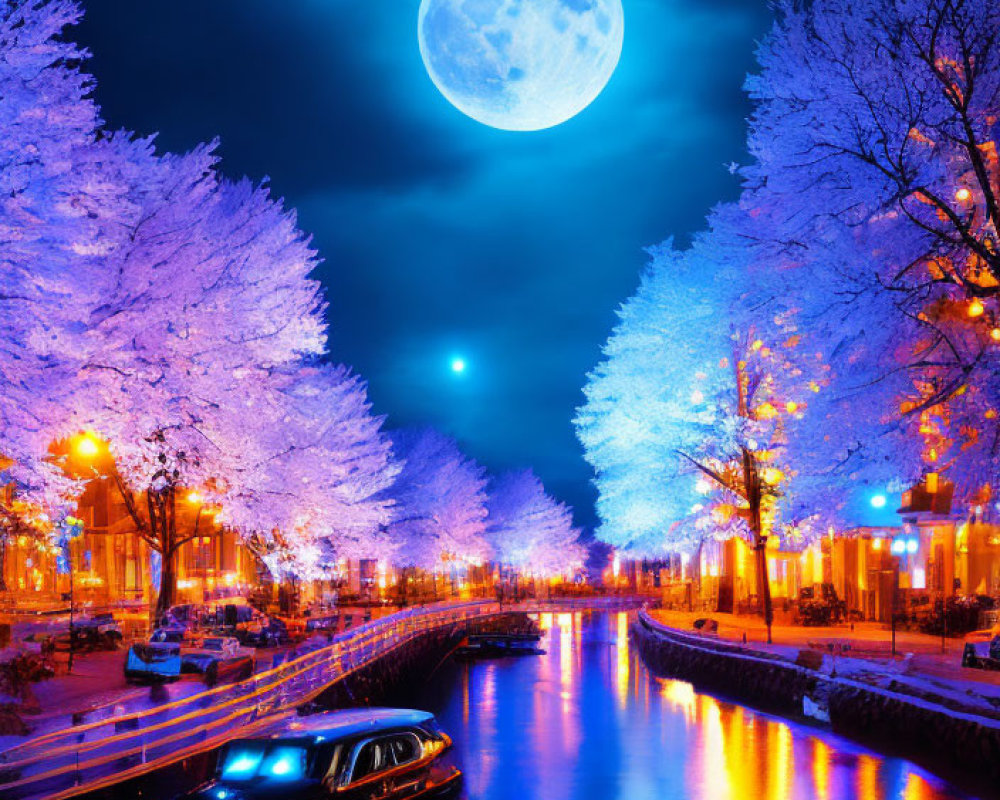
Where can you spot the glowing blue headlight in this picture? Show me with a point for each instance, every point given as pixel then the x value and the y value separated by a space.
pixel 241 764
pixel 284 763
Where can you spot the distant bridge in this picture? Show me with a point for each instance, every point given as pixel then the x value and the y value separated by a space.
pixel 84 758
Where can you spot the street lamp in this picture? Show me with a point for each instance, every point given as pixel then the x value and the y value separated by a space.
pixel 87 446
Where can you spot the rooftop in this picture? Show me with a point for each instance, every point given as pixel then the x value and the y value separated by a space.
pixel 350 722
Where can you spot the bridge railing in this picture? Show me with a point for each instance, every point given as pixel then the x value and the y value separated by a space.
pixel 85 757
pixel 55 763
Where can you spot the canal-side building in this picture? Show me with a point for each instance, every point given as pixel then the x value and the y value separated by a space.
pixel 113 566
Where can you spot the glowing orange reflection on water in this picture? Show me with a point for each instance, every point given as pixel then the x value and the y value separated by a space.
pixel 588 720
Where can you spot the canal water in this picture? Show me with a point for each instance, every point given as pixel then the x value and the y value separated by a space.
pixel 587 720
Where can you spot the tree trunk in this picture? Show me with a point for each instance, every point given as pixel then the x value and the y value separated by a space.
pixel 163 531
pixel 751 478
pixel 3 563
pixel 167 596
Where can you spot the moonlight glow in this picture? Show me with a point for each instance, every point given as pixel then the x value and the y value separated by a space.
pixel 458 365
pixel 521 65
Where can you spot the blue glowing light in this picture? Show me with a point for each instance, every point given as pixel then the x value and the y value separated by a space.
pixel 284 763
pixel 911 545
pixel 898 546
pixel 242 765
pixel 878 501
pixel 458 365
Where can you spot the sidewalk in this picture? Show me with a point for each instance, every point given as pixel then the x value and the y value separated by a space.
pixel 97 684
pixel 919 661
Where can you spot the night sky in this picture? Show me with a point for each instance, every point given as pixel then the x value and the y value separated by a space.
pixel 442 237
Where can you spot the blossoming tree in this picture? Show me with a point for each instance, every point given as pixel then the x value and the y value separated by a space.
pixel 529 530
pixel 440 501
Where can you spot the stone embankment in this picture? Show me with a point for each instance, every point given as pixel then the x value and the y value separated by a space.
pixel 934 731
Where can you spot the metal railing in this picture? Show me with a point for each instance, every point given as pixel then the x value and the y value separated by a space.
pixel 85 757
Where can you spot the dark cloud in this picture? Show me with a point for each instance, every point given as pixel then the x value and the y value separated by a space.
pixel 441 236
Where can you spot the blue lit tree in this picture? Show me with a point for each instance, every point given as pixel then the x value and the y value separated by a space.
pixel 686 417
pixel 875 185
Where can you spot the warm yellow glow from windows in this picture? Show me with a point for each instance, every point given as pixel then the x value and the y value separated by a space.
pixel 932 482
pixel 194 498
pixel 976 308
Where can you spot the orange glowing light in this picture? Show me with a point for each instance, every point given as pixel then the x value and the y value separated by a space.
pixel 963 195
pixel 976 308
pixel 767 411
pixel 772 476
pixel 194 498
pixel 995 334
pixel 932 482
pixel 87 446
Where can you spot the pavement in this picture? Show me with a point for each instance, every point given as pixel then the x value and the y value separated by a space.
pixel 869 641
pixel 97 687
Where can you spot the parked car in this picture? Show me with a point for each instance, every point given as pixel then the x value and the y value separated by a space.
pixel 270 632
pixel 153 662
pixel 219 658
pixel 187 615
pixel 372 753
pixel 99 632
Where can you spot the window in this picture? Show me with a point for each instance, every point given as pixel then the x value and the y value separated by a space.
pixel 404 748
pixel 378 755
pixel 372 757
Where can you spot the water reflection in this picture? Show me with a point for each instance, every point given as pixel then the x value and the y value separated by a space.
pixel 587 720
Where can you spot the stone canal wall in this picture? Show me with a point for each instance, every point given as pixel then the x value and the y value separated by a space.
pixel 965 747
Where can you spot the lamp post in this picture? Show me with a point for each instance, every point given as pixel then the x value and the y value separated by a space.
pixel 87 448
pixel 71 528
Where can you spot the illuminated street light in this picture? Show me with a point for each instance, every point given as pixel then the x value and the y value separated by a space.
pixel 963 195
pixel 976 308
pixel 86 446
pixel 878 501
pixel 193 498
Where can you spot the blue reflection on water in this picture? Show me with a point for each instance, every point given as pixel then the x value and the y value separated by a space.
pixel 587 720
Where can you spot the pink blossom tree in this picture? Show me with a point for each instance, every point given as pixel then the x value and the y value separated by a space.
pixel 52 214
pixel 309 486
pixel 207 294
pixel 529 530
pixel 440 501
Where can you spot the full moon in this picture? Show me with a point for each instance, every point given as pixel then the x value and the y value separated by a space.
pixel 521 65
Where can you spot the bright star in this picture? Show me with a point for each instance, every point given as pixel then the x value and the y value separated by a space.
pixel 458 365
